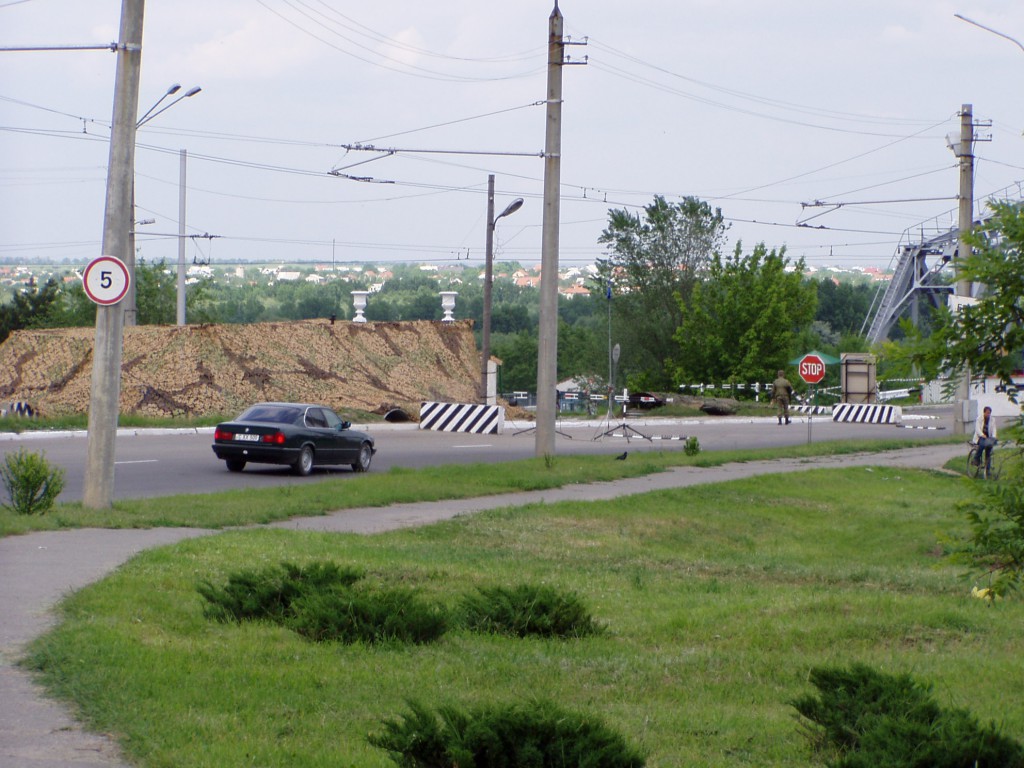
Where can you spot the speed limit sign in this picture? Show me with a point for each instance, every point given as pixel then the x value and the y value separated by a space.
pixel 106 280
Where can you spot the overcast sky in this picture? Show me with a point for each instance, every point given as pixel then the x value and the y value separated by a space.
pixel 756 107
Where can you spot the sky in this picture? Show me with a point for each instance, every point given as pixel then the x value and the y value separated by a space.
pixel 761 109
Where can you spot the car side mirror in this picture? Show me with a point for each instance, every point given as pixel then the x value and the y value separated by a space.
pixel 345 425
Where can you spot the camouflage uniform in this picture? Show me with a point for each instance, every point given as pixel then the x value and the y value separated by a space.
pixel 782 391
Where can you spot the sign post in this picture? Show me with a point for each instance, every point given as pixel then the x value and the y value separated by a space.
pixel 812 370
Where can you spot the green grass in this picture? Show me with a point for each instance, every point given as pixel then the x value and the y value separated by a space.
pixel 715 600
pixel 263 505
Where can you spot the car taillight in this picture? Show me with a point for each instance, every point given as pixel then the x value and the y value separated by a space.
pixel 277 438
pixel 222 434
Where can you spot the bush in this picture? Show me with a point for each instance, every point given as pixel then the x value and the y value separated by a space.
pixel 320 602
pixel 527 610
pixel 504 736
pixel 270 593
pixel 350 616
pixel 867 719
pixel 692 446
pixel 32 484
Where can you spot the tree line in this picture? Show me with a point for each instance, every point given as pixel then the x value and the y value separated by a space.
pixel 677 307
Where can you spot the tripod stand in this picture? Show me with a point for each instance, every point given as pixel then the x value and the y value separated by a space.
pixel 627 431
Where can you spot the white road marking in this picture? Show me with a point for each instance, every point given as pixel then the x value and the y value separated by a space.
pixel 482 445
pixel 137 461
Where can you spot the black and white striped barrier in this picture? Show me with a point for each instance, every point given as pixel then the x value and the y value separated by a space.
pixel 867 413
pixel 18 409
pixel 463 417
pixel 811 410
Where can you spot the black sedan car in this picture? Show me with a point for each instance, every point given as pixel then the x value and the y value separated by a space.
pixel 299 435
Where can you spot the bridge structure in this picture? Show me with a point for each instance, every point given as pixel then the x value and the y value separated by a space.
pixel 921 273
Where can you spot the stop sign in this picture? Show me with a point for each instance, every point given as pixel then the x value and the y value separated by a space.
pixel 812 369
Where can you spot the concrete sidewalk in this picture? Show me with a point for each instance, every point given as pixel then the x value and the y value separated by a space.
pixel 38 569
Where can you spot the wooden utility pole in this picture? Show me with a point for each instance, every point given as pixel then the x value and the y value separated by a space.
pixel 98 489
pixel 547 346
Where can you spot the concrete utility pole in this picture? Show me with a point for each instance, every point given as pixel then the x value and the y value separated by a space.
pixel 963 416
pixel 547 347
pixel 98 489
pixel 180 315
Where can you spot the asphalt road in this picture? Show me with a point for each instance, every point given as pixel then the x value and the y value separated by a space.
pixel 153 463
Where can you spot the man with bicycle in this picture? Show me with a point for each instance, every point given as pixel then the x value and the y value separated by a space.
pixel 985 435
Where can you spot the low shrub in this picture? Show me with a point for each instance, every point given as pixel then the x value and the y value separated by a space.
pixel 864 719
pixel 377 616
pixel 32 485
pixel 503 736
pixel 692 446
pixel 527 610
pixel 269 593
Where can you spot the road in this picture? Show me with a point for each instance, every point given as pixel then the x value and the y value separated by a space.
pixel 152 463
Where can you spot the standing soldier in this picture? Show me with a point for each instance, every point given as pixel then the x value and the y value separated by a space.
pixel 782 391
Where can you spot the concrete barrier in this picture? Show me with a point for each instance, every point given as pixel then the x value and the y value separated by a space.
pixel 463 417
pixel 867 413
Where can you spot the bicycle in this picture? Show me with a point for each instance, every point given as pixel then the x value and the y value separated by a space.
pixel 980 464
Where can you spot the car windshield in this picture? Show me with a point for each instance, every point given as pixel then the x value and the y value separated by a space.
pixel 272 414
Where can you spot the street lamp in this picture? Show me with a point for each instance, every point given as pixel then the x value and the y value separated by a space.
pixel 989 29
pixel 485 343
pixel 131 309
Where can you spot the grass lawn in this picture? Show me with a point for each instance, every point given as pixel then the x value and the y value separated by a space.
pixel 256 506
pixel 715 600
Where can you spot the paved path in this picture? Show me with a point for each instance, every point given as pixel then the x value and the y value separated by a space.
pixel 38 569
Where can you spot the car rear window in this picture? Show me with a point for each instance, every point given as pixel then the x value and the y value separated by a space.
pixel 272 414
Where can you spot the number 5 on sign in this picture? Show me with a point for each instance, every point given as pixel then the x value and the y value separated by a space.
pixel 106 280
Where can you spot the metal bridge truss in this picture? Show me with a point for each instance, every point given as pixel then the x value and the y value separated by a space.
pixel 914 280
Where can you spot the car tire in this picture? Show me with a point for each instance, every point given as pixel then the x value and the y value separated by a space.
pixel 235 465
pixel 304 464
pixel 365 457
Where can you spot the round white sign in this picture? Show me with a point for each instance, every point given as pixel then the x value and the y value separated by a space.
pixel 106 280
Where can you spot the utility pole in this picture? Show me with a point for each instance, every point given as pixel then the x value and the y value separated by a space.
pixel 547 345
pixel 181 239
pixel 98 489
pixel 485 332
pixel 963 415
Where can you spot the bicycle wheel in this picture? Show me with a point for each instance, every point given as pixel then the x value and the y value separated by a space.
pixel 995 466
pixel 973 470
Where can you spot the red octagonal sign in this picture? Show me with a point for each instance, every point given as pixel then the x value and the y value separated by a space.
pixel 812 369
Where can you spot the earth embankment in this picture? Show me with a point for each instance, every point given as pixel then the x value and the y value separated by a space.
pixel 197 370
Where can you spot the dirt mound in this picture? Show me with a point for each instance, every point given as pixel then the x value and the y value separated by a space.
pixel 219 369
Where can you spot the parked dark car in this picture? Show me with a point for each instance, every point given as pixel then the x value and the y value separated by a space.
pixel 300 435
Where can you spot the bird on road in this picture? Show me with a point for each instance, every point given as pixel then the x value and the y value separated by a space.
pixel 622 456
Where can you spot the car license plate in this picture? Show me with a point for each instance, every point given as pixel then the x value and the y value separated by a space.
pixel 247 438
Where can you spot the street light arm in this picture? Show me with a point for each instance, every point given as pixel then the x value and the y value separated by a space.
pixel 989 29
pixel 151 114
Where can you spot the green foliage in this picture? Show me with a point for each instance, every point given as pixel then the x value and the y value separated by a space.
pixel 869 719
pixel 527 609
pixel 270 593
pixel 27 308
pixel 370 616
pixel 32 485
pixel 987 336
pixel 741 322
pixel 654 262
pixel 503 736
pixel 319 602
pixel 692 446
pixel 994 550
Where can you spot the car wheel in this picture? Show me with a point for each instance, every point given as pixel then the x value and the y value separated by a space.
pixel 365 457
pixel 235 465
pixel 304 464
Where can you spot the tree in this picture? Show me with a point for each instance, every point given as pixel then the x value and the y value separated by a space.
pixel 27 308
pixel 654 261
pixel 743 318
